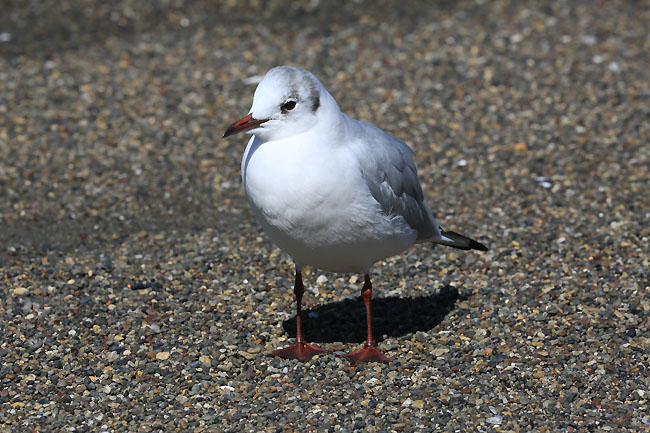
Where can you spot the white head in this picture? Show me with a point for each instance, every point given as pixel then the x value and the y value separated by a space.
pixel 287 101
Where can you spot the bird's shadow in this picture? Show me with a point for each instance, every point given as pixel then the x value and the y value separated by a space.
pixel 345 321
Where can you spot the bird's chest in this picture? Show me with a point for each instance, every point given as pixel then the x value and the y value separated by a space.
pixel 296 188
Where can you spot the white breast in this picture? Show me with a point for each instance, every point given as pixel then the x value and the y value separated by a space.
pixel 312 202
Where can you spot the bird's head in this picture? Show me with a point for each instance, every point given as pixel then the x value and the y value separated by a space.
pixel 287 101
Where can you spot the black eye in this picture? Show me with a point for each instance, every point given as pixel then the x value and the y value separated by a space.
pixel 288 106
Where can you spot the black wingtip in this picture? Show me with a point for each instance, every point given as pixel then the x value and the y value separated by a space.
pixel 477 245
pixel 463 242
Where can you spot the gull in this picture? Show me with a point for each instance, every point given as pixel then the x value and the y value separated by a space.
pixel 331 191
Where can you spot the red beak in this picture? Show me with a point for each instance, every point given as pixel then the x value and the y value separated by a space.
pixel 243 124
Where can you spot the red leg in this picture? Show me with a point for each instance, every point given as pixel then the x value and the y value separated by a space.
pixel 300 350
pixel 369 351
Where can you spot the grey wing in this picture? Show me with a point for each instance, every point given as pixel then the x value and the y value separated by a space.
pixel 391 176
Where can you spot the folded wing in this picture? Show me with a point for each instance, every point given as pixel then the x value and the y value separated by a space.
pixel 391 176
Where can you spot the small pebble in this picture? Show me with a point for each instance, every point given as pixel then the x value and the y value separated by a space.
pixel 20 291
pixel 163 356
pixel 497 420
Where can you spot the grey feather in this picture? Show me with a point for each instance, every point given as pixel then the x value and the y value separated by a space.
pixel 391 176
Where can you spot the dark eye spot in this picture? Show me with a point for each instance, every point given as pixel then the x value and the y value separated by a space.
pixel 288 106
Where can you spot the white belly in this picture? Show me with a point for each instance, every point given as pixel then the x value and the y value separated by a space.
pixel 315 207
